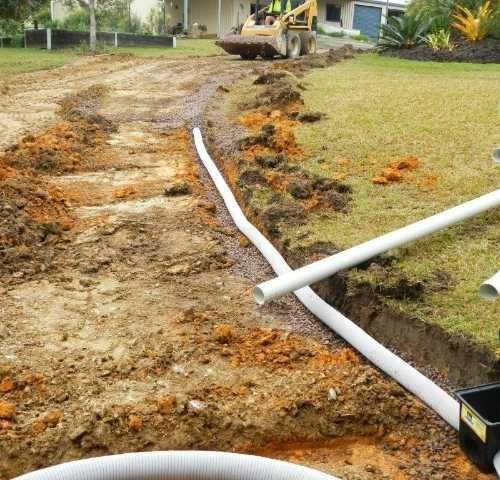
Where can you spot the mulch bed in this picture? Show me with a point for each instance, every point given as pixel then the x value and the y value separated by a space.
pixel 485 51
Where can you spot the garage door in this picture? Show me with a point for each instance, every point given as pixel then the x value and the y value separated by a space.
pixel 367 20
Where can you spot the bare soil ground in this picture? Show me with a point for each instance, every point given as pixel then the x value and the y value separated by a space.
pixel 126 320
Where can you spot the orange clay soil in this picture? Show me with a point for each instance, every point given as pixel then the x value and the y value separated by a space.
pixel 283 140
pixel 396 171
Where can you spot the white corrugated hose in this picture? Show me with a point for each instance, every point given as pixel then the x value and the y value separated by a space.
pixel 178 466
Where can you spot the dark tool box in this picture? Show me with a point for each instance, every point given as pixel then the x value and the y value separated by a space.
pixel 480 424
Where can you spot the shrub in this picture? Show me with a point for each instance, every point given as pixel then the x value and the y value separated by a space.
pixel 9 27
pixel 439 13
pixel 360 38
pixel 494 24
pixel 406 31
pixel 440 41
pixel 473 27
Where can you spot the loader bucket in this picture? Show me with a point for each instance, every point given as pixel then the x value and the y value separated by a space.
pixel 249 46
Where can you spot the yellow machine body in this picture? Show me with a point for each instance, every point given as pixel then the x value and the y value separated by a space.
pixel 292 34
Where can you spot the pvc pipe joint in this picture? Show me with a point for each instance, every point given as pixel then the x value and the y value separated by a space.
pixel 490 290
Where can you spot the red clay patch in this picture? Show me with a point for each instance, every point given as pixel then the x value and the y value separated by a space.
pixel 396 171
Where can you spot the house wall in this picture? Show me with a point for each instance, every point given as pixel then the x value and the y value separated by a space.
pixel 346 12
pixel 393 5
pixel 206 12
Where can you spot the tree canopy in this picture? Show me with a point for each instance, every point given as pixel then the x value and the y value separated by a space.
pixel 21 10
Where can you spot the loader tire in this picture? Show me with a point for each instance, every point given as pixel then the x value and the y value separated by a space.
pixel 293 45
pixel 309 44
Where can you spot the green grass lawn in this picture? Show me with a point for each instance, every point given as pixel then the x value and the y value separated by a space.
pixel 380 110
pixel 14 61
pixel 22 60
pixel 186 47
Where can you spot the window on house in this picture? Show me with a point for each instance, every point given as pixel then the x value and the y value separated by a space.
pixel 332 12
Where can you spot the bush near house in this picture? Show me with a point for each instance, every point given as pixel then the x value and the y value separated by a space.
pixel 445 30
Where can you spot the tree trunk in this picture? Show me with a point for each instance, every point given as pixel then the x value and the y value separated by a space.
pixel 93 29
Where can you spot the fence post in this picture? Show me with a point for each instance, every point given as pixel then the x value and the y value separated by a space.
pixel 116 39
pixel 49 39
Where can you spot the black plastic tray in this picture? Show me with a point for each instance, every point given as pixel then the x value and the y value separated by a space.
pixel 480 424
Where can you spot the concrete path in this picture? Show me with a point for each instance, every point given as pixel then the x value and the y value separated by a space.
pixel 326 42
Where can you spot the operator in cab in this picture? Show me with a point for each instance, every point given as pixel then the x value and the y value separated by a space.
pixel 277 8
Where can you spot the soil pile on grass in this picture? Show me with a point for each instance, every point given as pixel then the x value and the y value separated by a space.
pixel 71 144
pixel 485 51
pixel 396 171
pixel 320 60
pixel 268 173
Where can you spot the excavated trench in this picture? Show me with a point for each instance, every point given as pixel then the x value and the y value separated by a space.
pixel 264 162
pixel 84 372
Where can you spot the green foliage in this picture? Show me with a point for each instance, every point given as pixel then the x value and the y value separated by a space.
pixel 439 13
pixel 9 27
pixel 21 10
pixel 494 24
pixel 78 20
pixel 111 16
pixel 405 31
pixel 440 40
pixel 473 26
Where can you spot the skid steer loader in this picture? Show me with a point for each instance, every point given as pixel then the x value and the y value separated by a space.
pixel 292 34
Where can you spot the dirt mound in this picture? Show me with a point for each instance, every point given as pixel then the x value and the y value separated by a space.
pixel 396 171
pixel 281 93
pixel 310 117
pixel 82 104
pixel 268 78
pixel 320 60
pixel 270 160
pixel 273 134
pixel 67 146
pixel 31 213
pixel 34 212
pixel 274 216
pixel 485 51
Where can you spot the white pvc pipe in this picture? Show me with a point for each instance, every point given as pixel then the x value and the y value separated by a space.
pixel 490 290
pixel 496 463
pixel 178 466
pixel 327 267
pixel 435 397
